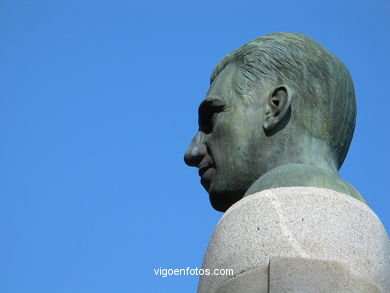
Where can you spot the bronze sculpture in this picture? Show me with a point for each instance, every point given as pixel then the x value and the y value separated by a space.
pixel 280 112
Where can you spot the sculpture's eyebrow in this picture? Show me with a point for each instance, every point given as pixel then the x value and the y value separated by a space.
pixel 209 103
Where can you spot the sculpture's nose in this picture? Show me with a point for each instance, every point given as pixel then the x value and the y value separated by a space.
pixel 196 151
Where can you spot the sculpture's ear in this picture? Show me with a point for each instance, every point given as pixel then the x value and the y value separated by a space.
pixel 277 108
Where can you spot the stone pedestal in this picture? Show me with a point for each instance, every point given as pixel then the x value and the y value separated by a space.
pixel 298 239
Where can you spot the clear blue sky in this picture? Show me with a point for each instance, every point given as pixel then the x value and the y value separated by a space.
pixel 98 102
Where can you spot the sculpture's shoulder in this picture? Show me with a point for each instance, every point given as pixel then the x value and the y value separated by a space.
pixel 303 175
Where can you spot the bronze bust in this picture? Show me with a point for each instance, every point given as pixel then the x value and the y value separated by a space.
pixel 280 111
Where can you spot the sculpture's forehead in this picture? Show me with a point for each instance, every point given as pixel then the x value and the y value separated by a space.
pixel 223 85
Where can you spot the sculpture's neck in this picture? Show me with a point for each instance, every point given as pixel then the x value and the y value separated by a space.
pixel 301 148
pixel 303 175
pixel 301 160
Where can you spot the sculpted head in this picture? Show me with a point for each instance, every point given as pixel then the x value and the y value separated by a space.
pixel 280 99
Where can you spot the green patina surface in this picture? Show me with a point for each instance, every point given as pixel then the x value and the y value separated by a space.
pixel 280 112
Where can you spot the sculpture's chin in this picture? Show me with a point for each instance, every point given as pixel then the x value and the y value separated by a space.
pixel 221 201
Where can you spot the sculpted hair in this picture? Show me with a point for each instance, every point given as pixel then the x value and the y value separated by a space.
pixel 323 96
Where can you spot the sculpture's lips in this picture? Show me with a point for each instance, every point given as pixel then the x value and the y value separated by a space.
pixel 203 170
pixel 206 174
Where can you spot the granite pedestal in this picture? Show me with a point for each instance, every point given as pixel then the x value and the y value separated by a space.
pixel 298 239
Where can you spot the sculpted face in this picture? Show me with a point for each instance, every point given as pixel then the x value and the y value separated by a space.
pixel 230 148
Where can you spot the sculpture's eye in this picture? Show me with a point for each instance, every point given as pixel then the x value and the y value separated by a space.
pixel 208 117
pixel 213 118
pixel 214 111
